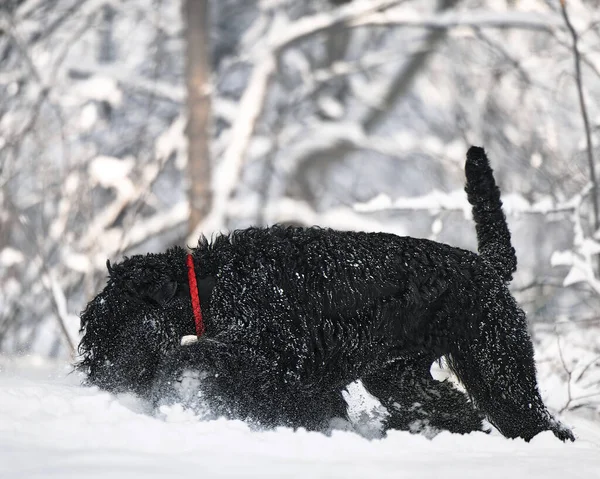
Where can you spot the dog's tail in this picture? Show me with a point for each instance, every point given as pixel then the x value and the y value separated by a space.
pixel 493 236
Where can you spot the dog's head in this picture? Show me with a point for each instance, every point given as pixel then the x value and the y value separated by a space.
pixel 139 316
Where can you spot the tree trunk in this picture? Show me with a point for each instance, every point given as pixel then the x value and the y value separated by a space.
pixel 196 17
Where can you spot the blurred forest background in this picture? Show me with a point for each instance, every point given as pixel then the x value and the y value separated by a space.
pixel 130 126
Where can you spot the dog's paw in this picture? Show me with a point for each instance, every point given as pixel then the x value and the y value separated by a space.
pixel 561 431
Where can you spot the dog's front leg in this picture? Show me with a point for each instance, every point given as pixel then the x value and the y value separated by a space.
pixel 219 378
pixel 237 381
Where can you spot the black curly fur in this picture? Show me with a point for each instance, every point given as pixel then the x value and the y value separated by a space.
pixel 293 315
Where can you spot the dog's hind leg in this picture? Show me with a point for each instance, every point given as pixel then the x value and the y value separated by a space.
pixel 418 403
pixel 497 368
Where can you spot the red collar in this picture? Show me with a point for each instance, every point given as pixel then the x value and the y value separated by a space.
pixel 194 296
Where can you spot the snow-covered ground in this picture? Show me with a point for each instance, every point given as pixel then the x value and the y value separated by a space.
pixel 50 427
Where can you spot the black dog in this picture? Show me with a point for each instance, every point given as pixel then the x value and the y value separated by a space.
pixel 289 316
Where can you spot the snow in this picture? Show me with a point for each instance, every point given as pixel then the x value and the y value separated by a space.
pixel 10 256
pixel 50 426
pixel 111 172
pixel 100 89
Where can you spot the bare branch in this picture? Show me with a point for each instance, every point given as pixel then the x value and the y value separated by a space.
pixel 591 363
pixel 59 302
pixel 58 21
pixel 569 375
pixel 584 116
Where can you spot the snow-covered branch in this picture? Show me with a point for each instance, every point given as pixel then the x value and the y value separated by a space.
pixel 471 18
pixel 513 204
pixel 287 34
pixel 123 76
pixel 288 210
pixel 585 249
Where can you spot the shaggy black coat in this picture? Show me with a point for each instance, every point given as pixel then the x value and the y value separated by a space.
pixel 293 315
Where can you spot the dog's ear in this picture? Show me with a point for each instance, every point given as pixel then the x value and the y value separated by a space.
pixel 163 293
